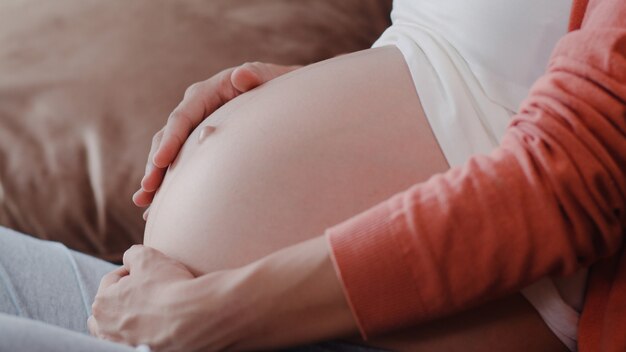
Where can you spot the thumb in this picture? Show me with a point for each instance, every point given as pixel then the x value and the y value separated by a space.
pixel 254 74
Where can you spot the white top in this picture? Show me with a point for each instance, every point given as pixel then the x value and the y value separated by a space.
pixel 505 43
pixel 473 62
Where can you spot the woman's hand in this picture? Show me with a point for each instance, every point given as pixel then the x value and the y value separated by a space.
pixel 291 297
pixel 201 99
pixel 147 277
pixel 151 300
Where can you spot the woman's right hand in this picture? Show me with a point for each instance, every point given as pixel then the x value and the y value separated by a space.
pixel 200 100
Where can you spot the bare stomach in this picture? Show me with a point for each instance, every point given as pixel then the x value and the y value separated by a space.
pixel 297 155
pixel 305 152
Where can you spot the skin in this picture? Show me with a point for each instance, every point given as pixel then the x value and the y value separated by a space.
pixel 155 300
pixel 316 156
pixel 271 199
pixel 200 100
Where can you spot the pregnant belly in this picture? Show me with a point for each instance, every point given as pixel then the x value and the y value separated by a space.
pixel 291 158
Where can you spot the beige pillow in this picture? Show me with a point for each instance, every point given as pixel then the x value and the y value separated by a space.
pixel 84 84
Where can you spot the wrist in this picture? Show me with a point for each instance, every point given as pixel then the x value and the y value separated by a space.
pixel 291 297
pixel 218 309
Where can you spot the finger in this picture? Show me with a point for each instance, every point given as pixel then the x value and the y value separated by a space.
pixel 139 256
pixel 153 179
pixel 253 74
pixel 112 277
pixel 200 100
pixel 142 198
pixel 92 326
pixel 153 176
pixel 245 77
pixel 135 256
pixel 145 214
pixel 179 125
pixel 94 330
pixel 156 142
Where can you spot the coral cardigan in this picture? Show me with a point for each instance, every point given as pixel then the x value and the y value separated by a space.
pixel 549 200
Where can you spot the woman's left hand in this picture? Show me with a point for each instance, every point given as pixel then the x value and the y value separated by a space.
pixel 150 300
pixel 290 297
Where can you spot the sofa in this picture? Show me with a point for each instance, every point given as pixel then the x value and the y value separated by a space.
pixel 84 85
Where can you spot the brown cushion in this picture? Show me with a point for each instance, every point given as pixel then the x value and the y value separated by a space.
pixel 84 84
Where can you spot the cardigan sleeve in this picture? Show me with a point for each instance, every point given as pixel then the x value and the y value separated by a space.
pixel 549 200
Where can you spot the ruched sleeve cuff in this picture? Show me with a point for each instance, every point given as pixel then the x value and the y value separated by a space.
pixel 371 264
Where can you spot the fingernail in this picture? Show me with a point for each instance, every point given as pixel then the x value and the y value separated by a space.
pixel 145 214
pixel 149 167
pixel 154 159
pixel 205 132
pixel 143 180
pixel 136 194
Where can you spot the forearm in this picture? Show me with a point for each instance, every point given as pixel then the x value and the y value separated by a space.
pixel 291 297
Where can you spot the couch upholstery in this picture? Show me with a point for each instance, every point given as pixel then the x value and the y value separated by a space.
pixel 84 84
